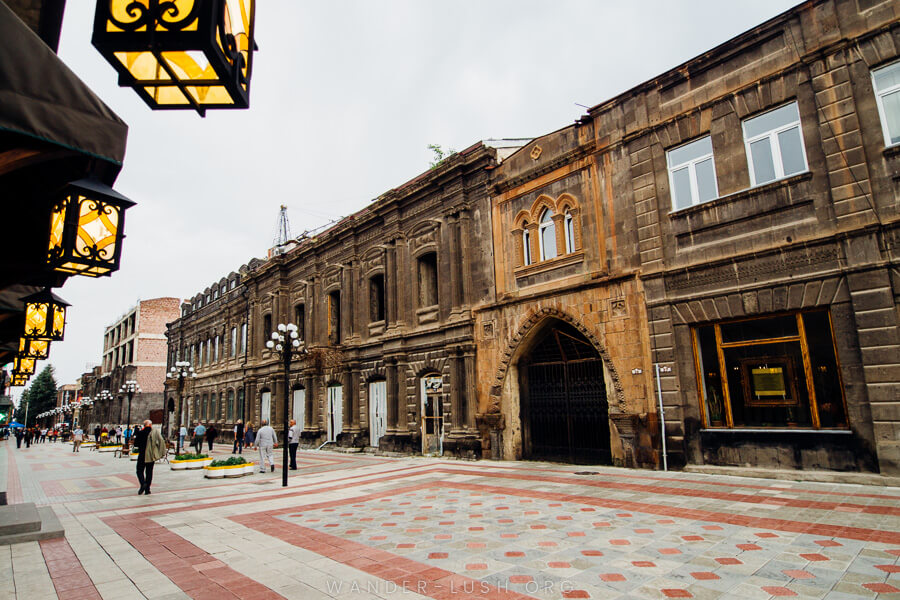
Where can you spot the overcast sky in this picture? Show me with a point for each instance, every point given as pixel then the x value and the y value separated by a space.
pixel 345 97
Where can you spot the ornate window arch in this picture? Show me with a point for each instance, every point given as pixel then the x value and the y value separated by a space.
pixel 547 235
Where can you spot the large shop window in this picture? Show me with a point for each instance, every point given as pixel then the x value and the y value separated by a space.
pixel 780 372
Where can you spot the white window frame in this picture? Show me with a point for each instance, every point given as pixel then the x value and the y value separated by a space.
pixel 243 338
pixel 691 166
pixel 772 136
pixel 542 225
pixel 526 246
pixel 878 100
pixel 569 229
pixel 217 349
pixel 234 341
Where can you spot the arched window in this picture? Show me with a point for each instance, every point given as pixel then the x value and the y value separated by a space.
pixel 570 233
pixel 547 232
pixel 214 408
pixel 526 245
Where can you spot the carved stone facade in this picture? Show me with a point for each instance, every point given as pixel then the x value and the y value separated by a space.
pixel 383 303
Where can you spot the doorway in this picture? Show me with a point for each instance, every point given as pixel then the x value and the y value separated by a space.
pixel 299 407
pixel 377 411
pixel 565 414
pixel 432 415
pixel 335 412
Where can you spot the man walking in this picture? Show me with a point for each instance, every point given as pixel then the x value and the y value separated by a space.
pixel 293 441
pixel 197 441
pixel 266 440
pixel 211 434
pixel 150 447
pixel 97 434
pixel 182 434
pixel 238 438
pixel 77 438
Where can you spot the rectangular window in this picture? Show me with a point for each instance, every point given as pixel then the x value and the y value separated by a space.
pixel 774 143
pixel 692 173
pixel 770 372
pixel 267 330
pixel 427 279
pixel 300 321
pixel 243 338
pixel 217 349
pixel 234 341
pixel 334 318
pixel 200 354
pixel 376 298
pixel 886 82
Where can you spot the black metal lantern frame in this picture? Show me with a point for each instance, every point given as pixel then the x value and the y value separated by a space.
pixel 23 366
pixel 18 380
pixel 33 348
pixel 193 54
pixel 45 316
pixel 87 226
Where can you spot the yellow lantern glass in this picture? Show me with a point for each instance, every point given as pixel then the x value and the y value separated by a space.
pixel 193 54
pixel 23 366
pixel 45 316
pixel 31 348
pixel 86 229
pixel 18 380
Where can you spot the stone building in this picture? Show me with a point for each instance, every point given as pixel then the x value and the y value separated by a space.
pixel 754 189
pixel 134 348
pixel 731 223
pixel 383 304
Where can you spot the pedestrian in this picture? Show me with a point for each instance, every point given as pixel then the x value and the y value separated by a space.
pixel 294 442
pixel 182 434
pixel 150 448
pixel 97 432
pixel 249 436
pixel 197 441
pixel 266 440
pixel 43 435
pixel 77 438
pixel 118 434
pixel 29 435
pixel 238 437
pixel 19 436
pixel 127 434
pixel 211 434
pixel 104 433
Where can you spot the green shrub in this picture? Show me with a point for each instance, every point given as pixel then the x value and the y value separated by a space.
pixel 190 456
pixel 229 462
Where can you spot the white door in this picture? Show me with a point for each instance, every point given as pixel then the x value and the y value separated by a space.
pixel 186 414
pixel 432 416
pixel 299 407
pixel 265 408
pixel 377 411
pixel 335 411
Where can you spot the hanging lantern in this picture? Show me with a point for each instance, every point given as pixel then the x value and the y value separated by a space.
pixel 45 316
pixel 18 380
pixel 31 348
pixel 182 54
pixel 23 366
pixel 86 229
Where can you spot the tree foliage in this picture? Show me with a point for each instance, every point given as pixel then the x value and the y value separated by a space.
pixel 440 155
pixel 40 396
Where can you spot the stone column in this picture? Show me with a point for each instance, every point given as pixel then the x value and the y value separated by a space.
pixel 457 381
pixel 347 385
pixel 560 226
pixel 354 391
pixel 392 403
pixel 455 261
pixel 469 401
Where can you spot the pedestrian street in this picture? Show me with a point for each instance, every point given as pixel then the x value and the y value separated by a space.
pixel 364 526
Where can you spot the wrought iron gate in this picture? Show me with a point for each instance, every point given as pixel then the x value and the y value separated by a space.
pixel 564 406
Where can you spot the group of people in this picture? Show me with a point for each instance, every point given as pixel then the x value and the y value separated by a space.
pixel 37 435
pixel 244 436
pixel 108 432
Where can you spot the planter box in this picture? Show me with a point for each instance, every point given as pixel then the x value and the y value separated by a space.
pixel 229 471
pixel 133 456
pixel 109 448
pixel 86 444
pixel 194 463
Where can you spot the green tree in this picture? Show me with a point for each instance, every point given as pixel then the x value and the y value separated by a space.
pixel 38 397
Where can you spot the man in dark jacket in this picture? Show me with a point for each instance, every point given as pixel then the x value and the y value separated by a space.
pixel 97 434
pixel 144 468
pixel 211 433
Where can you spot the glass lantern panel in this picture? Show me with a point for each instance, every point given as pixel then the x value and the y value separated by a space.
pixel 97 226
pixel 143 66
pixel 166 95
pixel 119 10
pixel 59 321
pixel 36 319
pixel 191 65
pixel 57 226
pixel 215 94
pixel 23 365
pixel 176 14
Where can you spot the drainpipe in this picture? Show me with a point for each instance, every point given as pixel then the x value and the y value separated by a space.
pixel 662 414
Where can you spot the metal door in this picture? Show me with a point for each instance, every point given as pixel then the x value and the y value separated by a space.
pixel 265 408
pixel 377 411
pixel 299 407
pixel 335 412
pixel 565 411
pixel 432 416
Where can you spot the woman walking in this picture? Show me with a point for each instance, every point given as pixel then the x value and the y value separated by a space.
pixel 249 436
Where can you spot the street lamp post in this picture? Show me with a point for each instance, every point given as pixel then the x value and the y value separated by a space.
pixel 107 397
pixel 285 341
pixel 181 371
pixel 130 387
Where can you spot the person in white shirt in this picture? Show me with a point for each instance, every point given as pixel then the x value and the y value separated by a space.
pixel 266 440
pixel 293 442
pixel 182 433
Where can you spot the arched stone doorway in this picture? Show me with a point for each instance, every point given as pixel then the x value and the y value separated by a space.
pixel 563 398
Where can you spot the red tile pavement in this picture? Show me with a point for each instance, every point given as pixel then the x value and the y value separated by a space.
pixel 428 581
pixel 68 575
pixel 197 573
